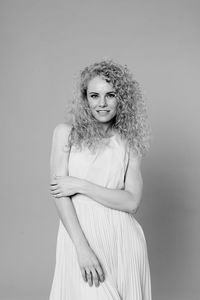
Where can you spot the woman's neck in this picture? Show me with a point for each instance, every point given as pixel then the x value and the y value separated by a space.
pixel 106 130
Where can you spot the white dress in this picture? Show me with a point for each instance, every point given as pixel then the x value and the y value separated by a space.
pixel 116 237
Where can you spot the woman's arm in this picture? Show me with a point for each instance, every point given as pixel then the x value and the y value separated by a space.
pixel 59 167
pixel 90 266
pixel 127 200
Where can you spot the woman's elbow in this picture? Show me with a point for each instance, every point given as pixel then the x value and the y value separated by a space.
pixel 134 208
pixel 135 202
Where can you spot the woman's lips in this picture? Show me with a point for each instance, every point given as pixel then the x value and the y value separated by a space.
pixel 103 112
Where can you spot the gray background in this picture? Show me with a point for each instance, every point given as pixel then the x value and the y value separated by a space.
pixel 43 44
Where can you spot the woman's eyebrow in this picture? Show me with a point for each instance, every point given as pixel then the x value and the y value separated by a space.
pixel 110 92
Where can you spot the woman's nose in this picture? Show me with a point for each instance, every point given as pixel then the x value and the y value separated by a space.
pixel 102 101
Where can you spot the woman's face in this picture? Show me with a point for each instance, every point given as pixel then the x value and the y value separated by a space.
pixel 102 99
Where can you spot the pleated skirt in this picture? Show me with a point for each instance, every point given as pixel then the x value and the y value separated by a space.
pixel 119 243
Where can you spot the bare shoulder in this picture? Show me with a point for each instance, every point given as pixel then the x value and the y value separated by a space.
pixel 62 131
pixel 60 136
pixel 60 150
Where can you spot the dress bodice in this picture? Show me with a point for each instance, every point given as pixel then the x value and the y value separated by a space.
pixel 106 167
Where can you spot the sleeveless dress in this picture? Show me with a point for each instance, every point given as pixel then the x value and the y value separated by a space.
pixel 115 236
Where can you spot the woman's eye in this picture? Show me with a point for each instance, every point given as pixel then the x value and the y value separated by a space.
pixel 111 95
pixel 93 96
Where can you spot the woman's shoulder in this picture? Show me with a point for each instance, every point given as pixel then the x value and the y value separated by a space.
pixel 61 133
pixel 62 128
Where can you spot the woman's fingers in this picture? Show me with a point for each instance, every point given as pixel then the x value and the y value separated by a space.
pixel 56 192
pixel 59 195
pixel 53 187
pixel 89 276
pixel 83 272
pixel 100 272
pixel 95 276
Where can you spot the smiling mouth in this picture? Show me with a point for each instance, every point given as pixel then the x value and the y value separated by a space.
pixel 102 110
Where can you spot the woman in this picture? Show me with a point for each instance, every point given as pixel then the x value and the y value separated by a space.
pixel 97 186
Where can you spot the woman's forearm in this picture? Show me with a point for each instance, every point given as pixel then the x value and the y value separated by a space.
pixel 112 198
pixel 68 216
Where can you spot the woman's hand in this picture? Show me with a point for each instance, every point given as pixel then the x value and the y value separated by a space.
pixel 91 269
pixel 65 186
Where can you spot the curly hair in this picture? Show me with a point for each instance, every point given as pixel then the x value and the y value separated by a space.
pixel 130 121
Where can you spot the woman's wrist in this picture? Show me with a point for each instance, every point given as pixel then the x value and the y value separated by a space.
pixel 81 244
pixel 82 187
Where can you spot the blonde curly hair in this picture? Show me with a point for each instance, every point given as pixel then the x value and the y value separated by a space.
pixel 130 121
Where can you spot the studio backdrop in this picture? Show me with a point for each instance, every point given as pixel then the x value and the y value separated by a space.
pixel 44 44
